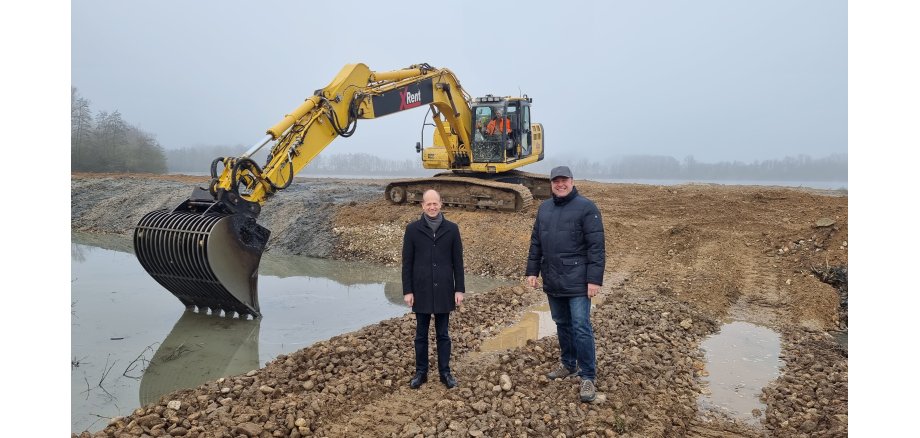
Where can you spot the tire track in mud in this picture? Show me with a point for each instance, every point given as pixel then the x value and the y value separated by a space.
pixel 760 300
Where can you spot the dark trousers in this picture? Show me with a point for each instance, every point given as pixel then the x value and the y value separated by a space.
pixel 423 320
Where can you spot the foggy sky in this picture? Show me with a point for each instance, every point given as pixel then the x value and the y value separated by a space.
pixel 720 80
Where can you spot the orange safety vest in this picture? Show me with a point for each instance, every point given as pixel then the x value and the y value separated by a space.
pixel 492 128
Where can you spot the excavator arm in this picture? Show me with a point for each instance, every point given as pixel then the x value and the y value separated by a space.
pixel 333 111
pixel 207 250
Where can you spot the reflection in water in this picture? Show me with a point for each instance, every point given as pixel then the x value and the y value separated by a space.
pixel 200 348
pixel 741 360
pixel 393 292
pixel 358 273
pixel 113 242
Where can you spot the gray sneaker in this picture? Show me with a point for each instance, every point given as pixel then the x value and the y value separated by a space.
pixel 562 372
pixel 588 392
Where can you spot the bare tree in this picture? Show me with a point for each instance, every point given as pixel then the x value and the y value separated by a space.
pixel 81 126
pixel 107 143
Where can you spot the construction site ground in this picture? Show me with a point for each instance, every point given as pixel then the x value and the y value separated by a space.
pixel 681 261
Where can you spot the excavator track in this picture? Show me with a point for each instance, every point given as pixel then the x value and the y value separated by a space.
pixel 539 185
pixel 462 191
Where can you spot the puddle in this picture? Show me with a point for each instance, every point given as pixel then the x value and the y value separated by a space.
pixel 842 338
pixel 741 360
pixel 537 323
pixel 132 341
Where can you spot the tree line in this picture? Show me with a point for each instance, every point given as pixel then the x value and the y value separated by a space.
pixel 799 168
pixel 198 160
pixel 105 142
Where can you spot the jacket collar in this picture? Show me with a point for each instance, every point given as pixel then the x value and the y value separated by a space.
pixel 423 227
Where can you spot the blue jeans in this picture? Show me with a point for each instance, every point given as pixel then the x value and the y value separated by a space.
pixel 423 321
pixel 572 316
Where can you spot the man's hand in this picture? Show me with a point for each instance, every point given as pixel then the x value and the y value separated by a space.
pixel 532 280
pixel 458 297
pixel 409 299
pixel 593 290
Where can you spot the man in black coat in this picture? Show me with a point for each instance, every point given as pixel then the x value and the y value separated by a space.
pixel 567 248
pixel 432 278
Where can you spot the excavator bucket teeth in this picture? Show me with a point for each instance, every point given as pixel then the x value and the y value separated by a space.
pixel 210 261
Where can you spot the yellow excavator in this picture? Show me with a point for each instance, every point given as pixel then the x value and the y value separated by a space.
pixel 207 250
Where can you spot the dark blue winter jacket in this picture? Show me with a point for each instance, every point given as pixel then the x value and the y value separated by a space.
pixel 567 245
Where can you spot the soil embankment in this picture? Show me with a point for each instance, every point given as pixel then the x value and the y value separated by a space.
pixel 681 260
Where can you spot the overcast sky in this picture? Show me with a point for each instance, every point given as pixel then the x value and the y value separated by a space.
pixel 719 80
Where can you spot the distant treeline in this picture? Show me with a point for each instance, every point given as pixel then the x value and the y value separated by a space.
pixel 107 143
pixel 198 160
pixel 800 168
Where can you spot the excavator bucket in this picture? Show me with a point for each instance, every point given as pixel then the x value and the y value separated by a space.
pixel 209 260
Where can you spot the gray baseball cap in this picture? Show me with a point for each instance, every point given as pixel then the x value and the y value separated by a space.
pixel 560 171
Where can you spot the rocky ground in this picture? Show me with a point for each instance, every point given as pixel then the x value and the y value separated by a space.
pixel 681 260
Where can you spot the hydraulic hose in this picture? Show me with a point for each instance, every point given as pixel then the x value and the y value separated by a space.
pixel 212 186
pixel 247 162
pixel 352 123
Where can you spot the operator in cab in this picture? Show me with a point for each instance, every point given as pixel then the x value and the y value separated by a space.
pixel 498 123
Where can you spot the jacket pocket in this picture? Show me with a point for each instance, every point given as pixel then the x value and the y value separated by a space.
pixel 574 261
pixel 574 274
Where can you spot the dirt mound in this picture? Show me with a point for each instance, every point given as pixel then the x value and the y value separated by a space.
pixel 680 261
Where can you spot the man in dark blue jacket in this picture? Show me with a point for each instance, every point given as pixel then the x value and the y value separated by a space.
pixel 433 284
pixel 567 249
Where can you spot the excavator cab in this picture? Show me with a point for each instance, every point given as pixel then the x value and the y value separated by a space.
pixel 501 129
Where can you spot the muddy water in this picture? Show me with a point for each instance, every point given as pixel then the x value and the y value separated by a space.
pixel 536 323
pixel 132 341
pixel 842 338
pixel 741 359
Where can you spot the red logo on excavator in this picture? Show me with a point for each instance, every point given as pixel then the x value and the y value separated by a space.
pixel 409 99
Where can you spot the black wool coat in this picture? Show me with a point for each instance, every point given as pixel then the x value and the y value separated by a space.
pixel 432 266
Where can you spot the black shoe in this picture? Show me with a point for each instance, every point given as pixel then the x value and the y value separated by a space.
pixel 448 380
pixel 418 380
